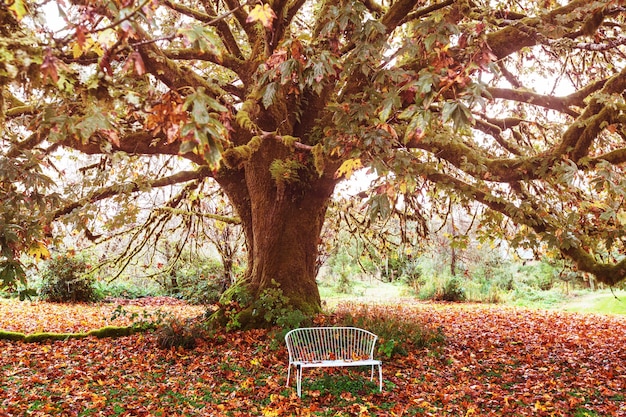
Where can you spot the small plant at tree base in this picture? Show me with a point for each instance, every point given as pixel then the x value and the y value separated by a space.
pixel 65 280
pixel 271 308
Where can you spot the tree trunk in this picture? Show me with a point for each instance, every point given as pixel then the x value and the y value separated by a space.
pixel 282 222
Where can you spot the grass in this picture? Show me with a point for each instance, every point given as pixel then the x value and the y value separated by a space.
pixel 374 291
pixel 603 302
pixel 367 291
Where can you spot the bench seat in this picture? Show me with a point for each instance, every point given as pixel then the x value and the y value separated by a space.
pixel 319 347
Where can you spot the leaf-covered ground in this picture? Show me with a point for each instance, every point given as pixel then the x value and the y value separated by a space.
pixel 495 361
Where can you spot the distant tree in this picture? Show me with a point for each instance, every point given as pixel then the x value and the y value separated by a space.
pixel 518 106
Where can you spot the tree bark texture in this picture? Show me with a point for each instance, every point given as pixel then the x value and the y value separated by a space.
pixel 282 223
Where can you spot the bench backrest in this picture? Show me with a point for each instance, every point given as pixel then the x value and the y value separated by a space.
pixel 314 344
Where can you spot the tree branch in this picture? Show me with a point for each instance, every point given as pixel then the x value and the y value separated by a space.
pixel 609 274
pixel 107 192
pixel 225 219
pixel 213 20
pixel 561 104
pixel 426 10
pixel 135 143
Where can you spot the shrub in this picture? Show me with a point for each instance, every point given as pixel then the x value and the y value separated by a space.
pixel 198 283
pixel 177 333
pixel 394 332
pixel 452 290
pixel 65 280
pixel 127 287
pixel 443 289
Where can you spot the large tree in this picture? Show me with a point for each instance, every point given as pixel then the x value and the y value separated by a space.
pixel 518 106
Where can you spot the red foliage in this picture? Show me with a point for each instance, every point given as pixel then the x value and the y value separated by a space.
pixel 496 361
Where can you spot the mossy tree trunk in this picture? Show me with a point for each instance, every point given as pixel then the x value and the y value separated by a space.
pixel 282 219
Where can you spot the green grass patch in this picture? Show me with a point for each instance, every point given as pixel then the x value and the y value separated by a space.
pixel 365 291
pixel 603 302
pixel 583 412
pixel 353 382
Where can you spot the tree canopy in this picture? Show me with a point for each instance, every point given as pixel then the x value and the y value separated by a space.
pixel 517 106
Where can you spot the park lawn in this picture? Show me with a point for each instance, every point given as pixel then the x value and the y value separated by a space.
pixel 496 361
pixel 604 302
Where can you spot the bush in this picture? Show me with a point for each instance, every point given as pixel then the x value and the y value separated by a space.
pixel 443 289
pixel 65 280
pixel 452 290
pixel 176 333
pixel 394 332
pixel 126 287
pixel 198 283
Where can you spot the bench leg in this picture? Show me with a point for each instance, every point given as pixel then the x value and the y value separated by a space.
pixel 299 380
pixel 380 376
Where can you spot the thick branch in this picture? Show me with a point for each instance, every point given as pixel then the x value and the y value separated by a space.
pixel 166 70
pixel 137 143
pixel 226 61
pixel 575 143
pixel 581 134
pixel 426 10
pixel 28 143
pixel 561 104
pixel 255 39
pixel 107 192
pixel 530 31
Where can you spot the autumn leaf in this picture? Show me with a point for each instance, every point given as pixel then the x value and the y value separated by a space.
pixel 496 360
pixel 18 8
pixel 348 167
pixel 49 67
pixel 39 251
pixel 262 13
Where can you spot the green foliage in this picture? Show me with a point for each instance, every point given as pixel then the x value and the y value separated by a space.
pixel 343 268
pixel 126 288
pixel 350 381
pixel 275 308
pixel 205 129
pixel 526 296
pixel 198 283
pixel 397 335
pixel 286 170
pixel 272 307
pixel 25 204
pixel 145 320
pixel 66 280
pixel 444 288
pixel 539 275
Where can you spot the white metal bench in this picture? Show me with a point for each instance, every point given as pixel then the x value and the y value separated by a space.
pixel 314 347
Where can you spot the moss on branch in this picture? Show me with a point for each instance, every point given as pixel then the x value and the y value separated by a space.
pixel 104 332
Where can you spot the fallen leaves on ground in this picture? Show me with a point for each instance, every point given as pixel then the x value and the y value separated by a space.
pixel 38 316
pixel 496 361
